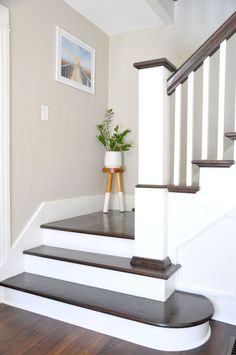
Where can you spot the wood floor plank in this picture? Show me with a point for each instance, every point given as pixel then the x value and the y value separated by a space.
pixel 113 224
pixel 32 334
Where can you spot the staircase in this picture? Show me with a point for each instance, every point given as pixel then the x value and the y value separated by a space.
pixel 68 278
pixel 91 270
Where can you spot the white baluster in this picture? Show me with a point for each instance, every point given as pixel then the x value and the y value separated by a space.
pixel 221 107
pixel 189 174
pixel 177 135
pixel 205 108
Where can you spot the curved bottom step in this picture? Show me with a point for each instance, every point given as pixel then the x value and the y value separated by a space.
pixel 179 324
pixel 165 339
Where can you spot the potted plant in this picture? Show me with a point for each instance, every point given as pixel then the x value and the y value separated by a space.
pixel 113 141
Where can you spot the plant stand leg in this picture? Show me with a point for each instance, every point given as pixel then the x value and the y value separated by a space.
pixel 120 192
pixel 108 193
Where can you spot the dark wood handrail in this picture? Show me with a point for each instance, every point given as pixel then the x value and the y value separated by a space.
pixel 207 49
pixel 161 62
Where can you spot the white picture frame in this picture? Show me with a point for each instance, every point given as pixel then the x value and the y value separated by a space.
pixel 75 62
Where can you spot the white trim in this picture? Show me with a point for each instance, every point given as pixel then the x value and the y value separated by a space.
pixel 177 134
pixel 205 107
pixel 4 134
pixel 113 280
pixel 221 107
pixel 189 171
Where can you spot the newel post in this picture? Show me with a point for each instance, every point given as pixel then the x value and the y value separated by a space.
pixel 154 154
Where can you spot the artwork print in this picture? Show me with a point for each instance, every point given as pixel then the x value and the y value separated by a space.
pixel 75 62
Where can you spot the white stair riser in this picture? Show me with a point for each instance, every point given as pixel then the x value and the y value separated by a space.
pixel 90 243
pixel 160 338
pixel 123 282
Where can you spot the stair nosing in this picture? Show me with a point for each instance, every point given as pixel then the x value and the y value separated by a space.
pixel 208 163
pixel 183 189
pixel 134 270
pixel 101 309
pixel 231 135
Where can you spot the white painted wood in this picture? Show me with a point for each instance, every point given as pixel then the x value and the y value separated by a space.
pixel 30 237
pixel 221 107
pixel 197 113
pixel 154 107
pixel 172 135
pixel 106 202
pixel 189 215
pixel 161 338
pixel 214 74
pixel 151 223
pixel 189 173
pixel 230 96
pixel 4 133
pixel 205 108
pixel 32 234
pixel 210 277
pixel 197 121
pixel 178 99
pixel 209 273
pixel 117 281
pixel 90 243
pixel 183 133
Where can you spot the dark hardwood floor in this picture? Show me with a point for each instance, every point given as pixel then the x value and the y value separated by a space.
pixel 112 224
pixel 26 333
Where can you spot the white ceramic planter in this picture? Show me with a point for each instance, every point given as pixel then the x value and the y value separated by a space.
pixel 113 159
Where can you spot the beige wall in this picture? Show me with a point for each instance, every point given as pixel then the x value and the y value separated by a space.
pixel 195 21
pixel 59 158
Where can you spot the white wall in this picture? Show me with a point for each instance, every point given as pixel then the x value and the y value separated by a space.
pixel 60 158
pixel 195 22
pixel 208 266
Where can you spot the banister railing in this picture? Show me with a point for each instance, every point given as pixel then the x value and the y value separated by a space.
pixel 207 49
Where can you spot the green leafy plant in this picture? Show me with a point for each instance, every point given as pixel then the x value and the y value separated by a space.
pixel 112 140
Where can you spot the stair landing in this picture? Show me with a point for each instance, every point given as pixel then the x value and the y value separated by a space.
pixel 113 224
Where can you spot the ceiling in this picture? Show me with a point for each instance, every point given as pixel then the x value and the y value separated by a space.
pixel 119 16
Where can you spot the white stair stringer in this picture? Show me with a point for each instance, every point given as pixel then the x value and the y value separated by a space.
pixel 160 338
pixel 89 243
pixel 131 284
pixel 190 214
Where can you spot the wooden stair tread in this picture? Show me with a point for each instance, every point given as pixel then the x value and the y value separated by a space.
pixel 179 311
pixel 213 163
pixel 113 224
pixel 183 189
pixel 109 262
pixel 231 135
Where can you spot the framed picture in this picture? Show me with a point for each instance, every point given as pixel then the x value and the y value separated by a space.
pixel 75 62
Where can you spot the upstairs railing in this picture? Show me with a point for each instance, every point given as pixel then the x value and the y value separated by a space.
pixel 187 120
pixel 203 92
